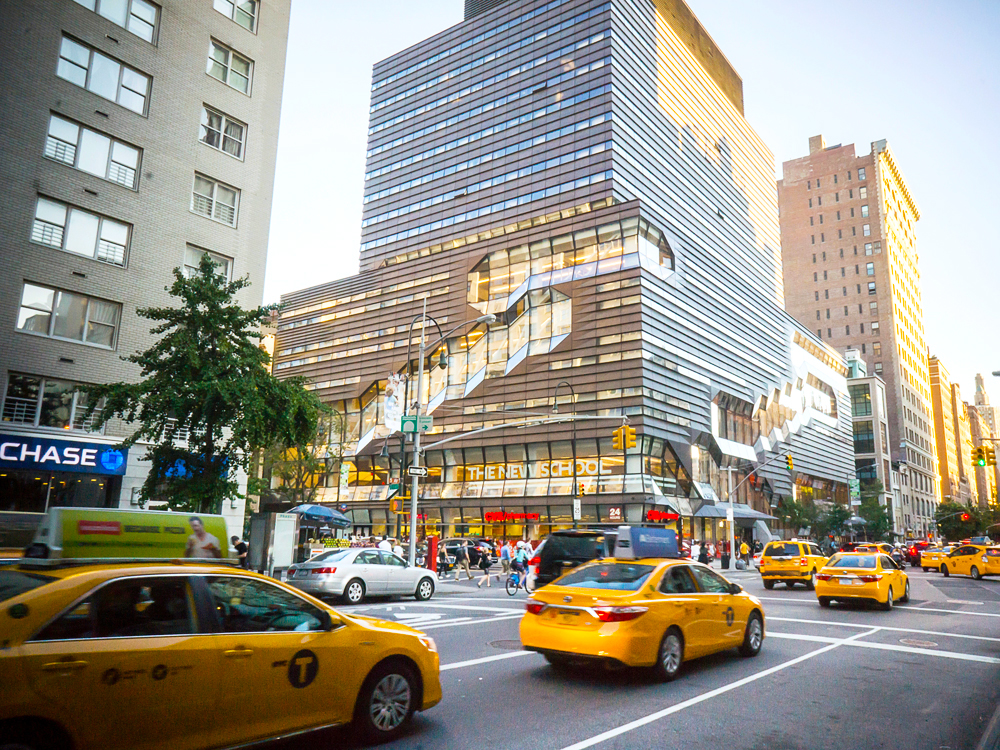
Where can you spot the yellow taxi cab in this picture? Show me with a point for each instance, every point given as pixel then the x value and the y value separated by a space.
pixel 641 611
pixel 193 655
pixel 882 547
pixel 976 560
pixel 791 562
pixel 869 576
pixel 930 558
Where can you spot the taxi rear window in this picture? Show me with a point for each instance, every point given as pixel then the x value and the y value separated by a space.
pixel 603 576
pixel 14 583
pixel 777 549
pixel 854 561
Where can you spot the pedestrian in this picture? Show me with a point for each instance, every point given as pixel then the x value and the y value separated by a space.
pixel 241 552
pixel 462 562
pixel 442 561
pixel 703 554
pixel 484 565
pixel 745 552
pixel 397 549
pixel 696 550
pixel 385 544
pixel 505 558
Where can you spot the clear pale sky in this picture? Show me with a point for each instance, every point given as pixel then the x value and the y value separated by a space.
pixel 922 74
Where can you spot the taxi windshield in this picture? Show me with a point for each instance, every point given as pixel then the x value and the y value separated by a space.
pixel 854 561
pixel 778 550
pixel 14 583
pixel 604 576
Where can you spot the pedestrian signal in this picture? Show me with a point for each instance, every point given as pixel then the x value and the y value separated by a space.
pixel 788 462
pixel 629 437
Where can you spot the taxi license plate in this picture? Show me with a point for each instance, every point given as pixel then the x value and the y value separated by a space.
pixel 849 581
pixel 569 616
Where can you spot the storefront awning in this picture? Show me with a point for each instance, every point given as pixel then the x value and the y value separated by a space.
pixel 741 511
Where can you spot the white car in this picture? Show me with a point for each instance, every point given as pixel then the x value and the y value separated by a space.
pixel 353 574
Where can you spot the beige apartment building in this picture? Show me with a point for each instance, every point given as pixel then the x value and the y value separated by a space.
pixel 851 273
pixel 986 480
pixel 137 136
pixel 955 480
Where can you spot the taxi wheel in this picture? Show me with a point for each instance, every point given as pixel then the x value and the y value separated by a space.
pixel 926 569
pixel 906 594
pixel 974 572
pixel 768 584
pixel 811 583
pixel 425 590
pixel 753 638
pixel 386 702
pixel 887 604
pixel 354 591
pixel 31 735
pixel 824 601
pixel 944 571
pixel 670 656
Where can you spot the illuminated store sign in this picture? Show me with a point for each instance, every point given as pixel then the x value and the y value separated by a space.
pixel 504 517
pixel 17 452
pixel 585 467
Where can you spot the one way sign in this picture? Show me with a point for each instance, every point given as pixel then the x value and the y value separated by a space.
pixel 417 471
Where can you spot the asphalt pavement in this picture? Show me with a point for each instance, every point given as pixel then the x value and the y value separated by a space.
pixel 925 675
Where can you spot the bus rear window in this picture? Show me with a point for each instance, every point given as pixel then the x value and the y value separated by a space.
pixel 14 583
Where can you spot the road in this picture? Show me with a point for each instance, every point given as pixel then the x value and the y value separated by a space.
pixel 924 675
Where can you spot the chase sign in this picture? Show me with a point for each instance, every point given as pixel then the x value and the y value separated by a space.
pixel 49 454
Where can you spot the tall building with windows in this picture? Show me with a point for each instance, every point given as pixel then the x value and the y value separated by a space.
pixel 985 476
pixel 136 137
pixel 951 432
pixel 990 417
pixel 582 170
pixel 851 273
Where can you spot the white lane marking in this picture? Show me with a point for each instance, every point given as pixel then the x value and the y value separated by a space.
pixel 415 620
pixel 434 605
pixel 625 728
pixel 484 660
pixel 812 602
pixel 479 621
pixel 884 627
pixel 887 647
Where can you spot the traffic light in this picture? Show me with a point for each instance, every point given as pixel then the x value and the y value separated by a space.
pixel 618 441
pixel 788 462
pixel 629 437
pixel 965 516
pixel 979 456
pixel 991 456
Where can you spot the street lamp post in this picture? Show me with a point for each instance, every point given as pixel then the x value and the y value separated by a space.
pixel 415 485
pixel 555 410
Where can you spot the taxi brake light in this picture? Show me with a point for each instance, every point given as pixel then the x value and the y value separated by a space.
pixel 619 614
pixel 534 607
pixel 536 560
pixel 324 571
pixel 823 577
pixel 870 578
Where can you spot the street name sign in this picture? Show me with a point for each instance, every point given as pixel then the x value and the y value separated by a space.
pixel 413 423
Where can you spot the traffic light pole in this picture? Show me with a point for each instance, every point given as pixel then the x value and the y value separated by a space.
pixel 730 511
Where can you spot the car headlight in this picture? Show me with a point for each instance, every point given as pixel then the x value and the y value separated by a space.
pixel 428 642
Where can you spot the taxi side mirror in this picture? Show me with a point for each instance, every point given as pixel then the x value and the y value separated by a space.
pixel 735 588
pixel 327 621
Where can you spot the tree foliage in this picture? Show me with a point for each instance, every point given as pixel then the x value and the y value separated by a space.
pixel 952 527
pixel 297 470
pixel 796 514
pixel 205 378
pixel 878 516
pixel 833 521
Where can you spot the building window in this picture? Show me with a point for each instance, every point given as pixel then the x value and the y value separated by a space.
pixel 854 231
pixel 826 293
pixel 244 12
pixel 861 400
pixel 817 182
pixel 93 152
pixel 814 257
pixel 229 67
pixel 812 221
pixel 840 234
pixel 859 290
pixel 215 200
pixel 810 203
pixel 47 402
pixel 838 215
pixel 868 248
pixel 815 278
pixel 828 313
pixel 864 437
pixel 65 315
pixel 817 296
pixel 876 349
pixel 809 185
pixel 873 306
pixel 862 331
pixel 875 328
pixel 813 237
pixel 841 252
pixel 852 212
pixel 824 255
pixel 835 179
pixel 818 315
pixel 863 350
pixel 861 174
pixel 819 200
pixel 845 311
pixel 829 333
pixel 819 333
pixel 80 232
pixel 822 236
pixel 871 287
pixel 878 248
pixel 843 272
pixel 878 368
pixel 824 276
pixel 192 259
pixel 870 269
pixel 857 269
pixel 848 175
pixel 138 16
pixel 866 469
pixel 864 211
pixel 863 192
pixel 847 330
pixel 222 132
pixel 845 291
pixel 850 193
pixel 103 76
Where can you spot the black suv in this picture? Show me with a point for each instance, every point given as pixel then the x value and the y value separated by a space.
pixel 564 550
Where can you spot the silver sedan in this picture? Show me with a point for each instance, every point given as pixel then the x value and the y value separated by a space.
pixel 353 574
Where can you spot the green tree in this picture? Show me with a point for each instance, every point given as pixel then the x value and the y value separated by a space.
pixel 879 526
pixel 298 470
pixel 796 514
pixel 950 524
pixel 205 377
pixel 832 520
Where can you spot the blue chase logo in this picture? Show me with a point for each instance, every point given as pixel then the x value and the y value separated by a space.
pixel 112 459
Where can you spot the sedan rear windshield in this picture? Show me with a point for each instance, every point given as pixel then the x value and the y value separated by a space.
pixel 331 556
pixel 14 583
pixel 781 550
pixel 582 547
pixel 854 561
pixel 605 576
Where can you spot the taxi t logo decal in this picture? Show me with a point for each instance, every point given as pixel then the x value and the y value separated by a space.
pixel 159 671
pixel 111 676
pixel 302 668
pixel 730 615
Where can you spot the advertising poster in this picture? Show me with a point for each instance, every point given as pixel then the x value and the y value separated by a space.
pixel 392 408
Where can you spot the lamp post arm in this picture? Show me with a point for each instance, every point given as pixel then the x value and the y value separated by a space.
pixel 742 481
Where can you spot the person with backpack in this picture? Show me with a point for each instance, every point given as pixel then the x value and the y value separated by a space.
pixel 484 565
pixel 462 561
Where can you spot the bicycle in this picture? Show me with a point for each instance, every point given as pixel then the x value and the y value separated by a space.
pixel 517 579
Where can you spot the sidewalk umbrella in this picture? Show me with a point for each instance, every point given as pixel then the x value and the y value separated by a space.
pixel 321 514
pixel 856 521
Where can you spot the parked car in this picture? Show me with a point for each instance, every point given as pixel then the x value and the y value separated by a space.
pixel 355 573
pixel 477 547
